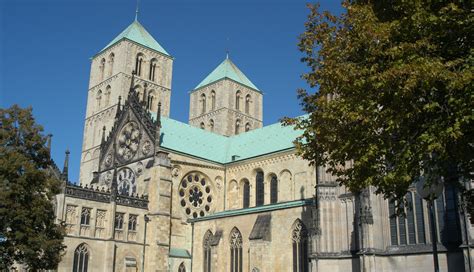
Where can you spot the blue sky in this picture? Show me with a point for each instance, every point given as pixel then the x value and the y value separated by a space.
pixel 45 50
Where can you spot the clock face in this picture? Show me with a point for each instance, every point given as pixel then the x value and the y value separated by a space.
pixel 126 183
pixel 127 141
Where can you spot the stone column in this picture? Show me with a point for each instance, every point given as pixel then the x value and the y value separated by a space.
pixel 159 206
pixel 366 231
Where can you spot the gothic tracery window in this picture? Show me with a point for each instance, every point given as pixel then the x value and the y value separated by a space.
pixel 119 221
pixel 207 251
pixel 81 259
pixel 299 238
pixel 235 250
pixel 85 216
pixel 182 268
pixel 132 222
pixel 259 189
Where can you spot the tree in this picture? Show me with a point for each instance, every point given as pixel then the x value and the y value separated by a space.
pixel 28 233
pixel 395 93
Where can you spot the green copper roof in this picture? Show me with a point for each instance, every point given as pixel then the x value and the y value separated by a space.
pixel 257 209
pixel 227 69
pixel 186 139
pixel 137 33
pixel 179 253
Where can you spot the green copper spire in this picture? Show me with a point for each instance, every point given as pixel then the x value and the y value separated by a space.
pixel 137 33
pixel 227 69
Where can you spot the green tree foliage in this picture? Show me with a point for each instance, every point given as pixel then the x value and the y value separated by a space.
pixel 28 233
pixel 395 93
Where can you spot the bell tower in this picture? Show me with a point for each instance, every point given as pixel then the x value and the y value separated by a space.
pixel 134 49
pixel 226 102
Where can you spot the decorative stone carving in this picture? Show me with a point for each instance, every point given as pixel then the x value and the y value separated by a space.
pixel 175 171
pixel 127 141
pixel 146 148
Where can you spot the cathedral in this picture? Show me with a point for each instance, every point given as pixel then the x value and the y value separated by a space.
pixel 223 192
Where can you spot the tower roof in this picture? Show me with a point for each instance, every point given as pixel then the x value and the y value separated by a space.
pixel 135 32
pixel 227 69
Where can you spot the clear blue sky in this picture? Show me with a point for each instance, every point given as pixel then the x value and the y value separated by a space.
pixel 45 50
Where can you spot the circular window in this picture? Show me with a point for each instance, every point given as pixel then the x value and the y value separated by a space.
pixel 195 192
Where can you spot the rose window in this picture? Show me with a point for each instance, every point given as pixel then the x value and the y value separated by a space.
pixel 195 192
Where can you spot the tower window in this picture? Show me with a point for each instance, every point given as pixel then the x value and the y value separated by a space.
pixel 237 126
pixel 247 127
pixel 111 64
pixel 273 189
pixel 246 194
pixel 203 103
pixel 203 126
pixel 138 64
pixel 247 104
pixel 211 124
pixel 107 95
pixel 99 99
pixel 259 189
pixel 237 100
pixel 102 69
pixel 213 100
pixel 149 103
pixel 151 75
pixel 235 250
pixel 182 268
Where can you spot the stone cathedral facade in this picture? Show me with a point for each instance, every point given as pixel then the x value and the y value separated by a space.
pixel 223 192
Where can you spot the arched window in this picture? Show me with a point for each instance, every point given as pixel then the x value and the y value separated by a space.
pixel 259 189
pixel 246 194
pixel 111 64
pixel 138 64
pixel 81 259
pixel 299 238
pixel 182 268
pixel 247 104
pixel 235 250
pixel 237 126
pixel 211 124
pixel 151 75
pixel 237 100
pixel 247 127
pixel 213 100
pixel 99 99
pixel 207 251
pixel 149 103
pixel 107 95
pixel 273 189
pixel 203 126
pixel 102 69
pixel 203 103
